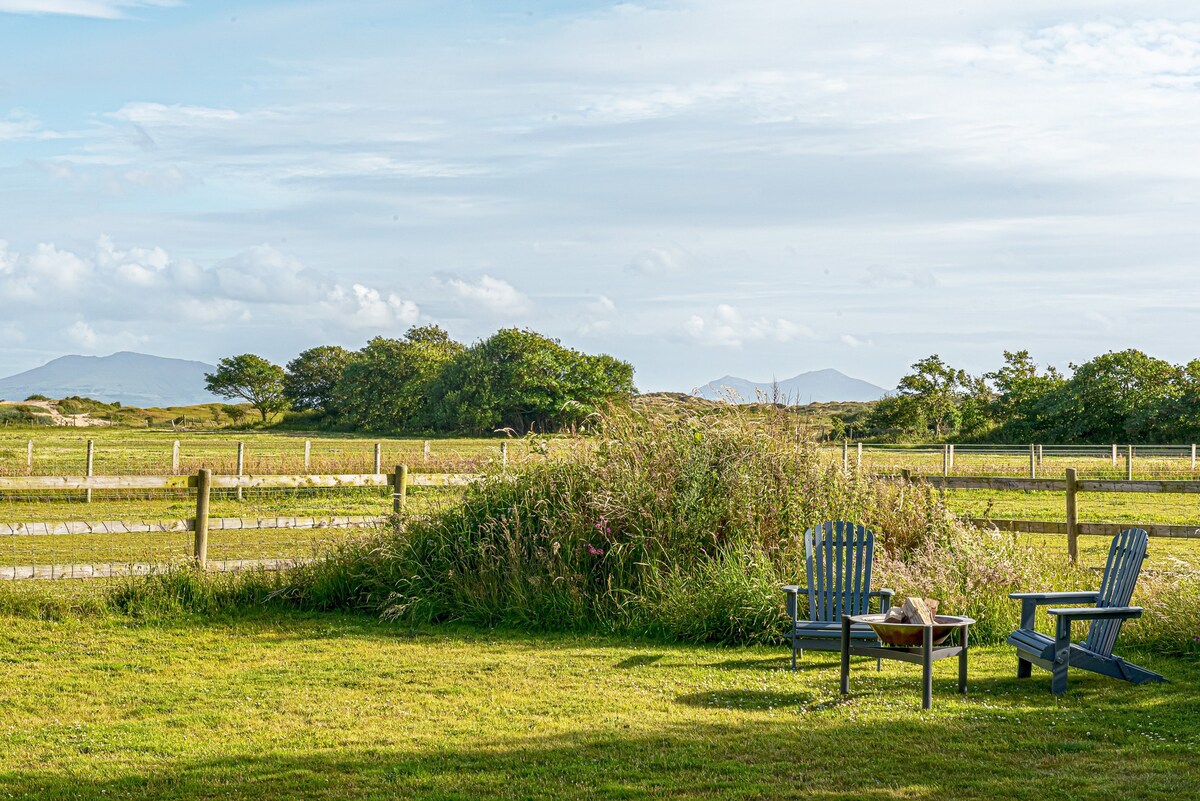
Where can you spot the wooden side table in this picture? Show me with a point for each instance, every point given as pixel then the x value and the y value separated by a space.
pixel 924 654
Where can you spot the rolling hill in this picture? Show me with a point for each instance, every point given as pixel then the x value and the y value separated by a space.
pixel 817 386
pixel 131 379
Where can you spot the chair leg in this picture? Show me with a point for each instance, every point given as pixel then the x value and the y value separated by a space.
pixel 793 654
pixel 1062 656
pixel 1024 668
pixel 879 664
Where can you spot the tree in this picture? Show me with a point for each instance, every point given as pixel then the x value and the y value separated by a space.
pixel 1021 394
pixel 251 378
pixel 895 417
pixel 937 390
pixel 522 380
pixel 312 378
pixel 384 386
pixel 1112 398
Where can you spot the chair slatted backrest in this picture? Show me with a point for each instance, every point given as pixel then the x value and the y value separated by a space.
pixel 1116 588
pixel 837 558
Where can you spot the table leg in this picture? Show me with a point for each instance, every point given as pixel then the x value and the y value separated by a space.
pixel 927 668
pixel 962 660
pixel 845 654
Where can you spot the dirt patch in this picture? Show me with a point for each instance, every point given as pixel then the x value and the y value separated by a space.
pixel 50 409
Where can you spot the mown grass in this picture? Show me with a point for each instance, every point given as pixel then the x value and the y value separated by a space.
pixel 330 706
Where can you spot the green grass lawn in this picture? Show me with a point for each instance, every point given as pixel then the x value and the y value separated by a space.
pixel 280 705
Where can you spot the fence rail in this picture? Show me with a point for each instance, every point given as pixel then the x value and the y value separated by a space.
pixel 201 486
pixel 1070 486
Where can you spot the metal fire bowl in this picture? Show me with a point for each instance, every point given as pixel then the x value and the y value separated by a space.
pixel 910 634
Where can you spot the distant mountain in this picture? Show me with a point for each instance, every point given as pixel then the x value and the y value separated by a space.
pixel 818 386
pixel 131 379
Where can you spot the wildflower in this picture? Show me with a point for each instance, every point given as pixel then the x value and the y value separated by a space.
pixel 594 551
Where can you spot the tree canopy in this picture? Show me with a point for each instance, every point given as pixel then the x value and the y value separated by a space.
pixel 1120 396
pixel 312 378
pixel 251 378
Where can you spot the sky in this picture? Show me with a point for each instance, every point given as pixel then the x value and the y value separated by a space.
pixel 700 187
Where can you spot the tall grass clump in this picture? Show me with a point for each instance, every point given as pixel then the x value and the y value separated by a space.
pixel 676 528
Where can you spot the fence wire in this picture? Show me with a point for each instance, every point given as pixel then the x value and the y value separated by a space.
pixel 64 534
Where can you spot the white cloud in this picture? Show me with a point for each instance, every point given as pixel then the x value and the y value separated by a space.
pixel 368 309
pixel 494 295
pixel 124 297
pixel 86 338
pixel 657 261
pixel 265 275
pixel 728 328
pixel 1164 52
pixel 100 9
pixel 161 114
pixel 854 342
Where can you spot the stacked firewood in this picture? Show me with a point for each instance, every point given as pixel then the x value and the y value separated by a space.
pixel 914 610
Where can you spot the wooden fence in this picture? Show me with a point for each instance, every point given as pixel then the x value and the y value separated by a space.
pixel 202 483
pixel 1070 486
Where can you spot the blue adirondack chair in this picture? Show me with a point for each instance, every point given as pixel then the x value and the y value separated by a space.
pixel 1110 608
pixel 837 562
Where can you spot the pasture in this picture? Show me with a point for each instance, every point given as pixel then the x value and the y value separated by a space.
pixel 116 451
pixel 275 704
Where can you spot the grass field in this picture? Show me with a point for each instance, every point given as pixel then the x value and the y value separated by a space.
pixel 62 451
pixel 280 705
pixel 123 451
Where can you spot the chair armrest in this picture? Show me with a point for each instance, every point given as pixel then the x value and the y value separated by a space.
pixel 1098 612
pixel 1042 598
pixel 1030 601
pixel 793 592
pixel 885 598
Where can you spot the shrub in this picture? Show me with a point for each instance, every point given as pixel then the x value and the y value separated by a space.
pixel 677 528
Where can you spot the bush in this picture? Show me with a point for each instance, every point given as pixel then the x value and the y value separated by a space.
pixel 677 528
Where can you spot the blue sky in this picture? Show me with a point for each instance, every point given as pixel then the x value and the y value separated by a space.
pixel 700 187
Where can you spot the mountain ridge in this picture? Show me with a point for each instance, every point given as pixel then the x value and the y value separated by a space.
pixel 125 377
pixel 815 386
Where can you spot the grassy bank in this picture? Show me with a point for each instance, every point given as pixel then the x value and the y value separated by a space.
pixel 685 530
pixel 330 706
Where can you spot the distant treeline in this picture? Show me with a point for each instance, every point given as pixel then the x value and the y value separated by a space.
pixel 1124 396
pixel 426 381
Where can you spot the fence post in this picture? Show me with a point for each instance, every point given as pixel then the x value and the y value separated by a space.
pixel 1033 461
pixel 951 458
pixel 401 484
pixel 1193 456
pixel 426 451
pixel 504 454
pixel 378 458
pixel 1114 455
pixel 175 458
pixel 1129 463
pixel 845 454
pixel 91 456
pixel 1039 455
pixel 906 474
pixel 203 485
pixel 307 454
pixel 241 464
pixel 1072 518
pixel 29 455
pixel 945 460
pixel 860 455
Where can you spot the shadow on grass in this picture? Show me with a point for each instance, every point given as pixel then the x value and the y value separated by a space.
pixel 641 660
pixel 923 759
pixel 745 699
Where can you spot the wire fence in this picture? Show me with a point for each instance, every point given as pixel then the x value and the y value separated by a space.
pixel 65 454
pixel 103 527
pixel 1113 461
